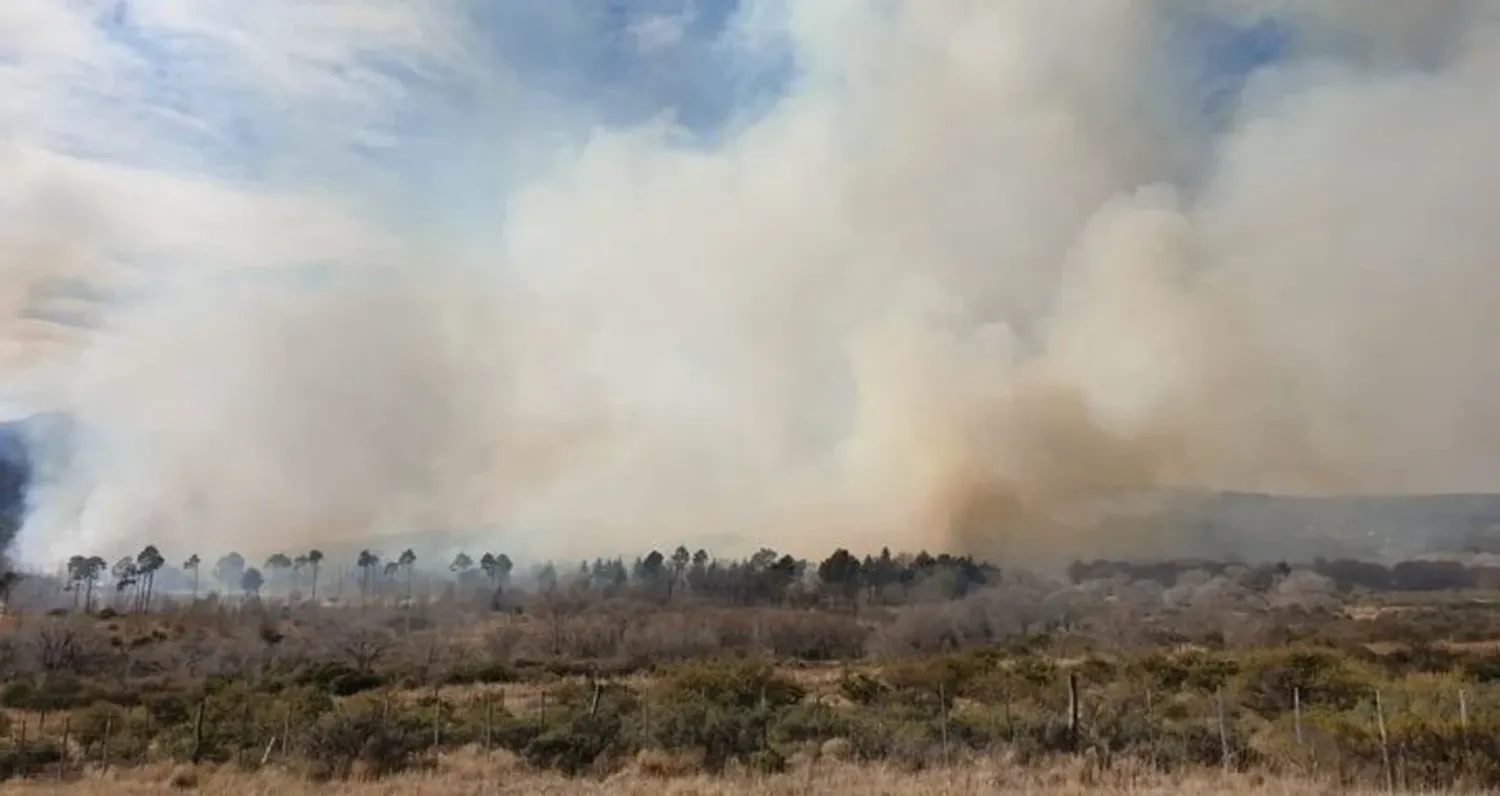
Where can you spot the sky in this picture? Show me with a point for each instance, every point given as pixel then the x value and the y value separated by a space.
pixel 204 126
pixel 719 266
pixel 334 114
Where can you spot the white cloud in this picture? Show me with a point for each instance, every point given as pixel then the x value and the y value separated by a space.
pixel 126 129
pixel 659 31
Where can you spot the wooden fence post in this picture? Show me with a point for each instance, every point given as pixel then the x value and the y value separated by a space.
pixel 62 756
pixel 489 722
pixel 109 722
pixel 21 747
pixel 943 717
pixel 1297 713
pixel 239 748
pixel 1223 734
pixel 1074 708
pixel 1385 746
pixel 198 731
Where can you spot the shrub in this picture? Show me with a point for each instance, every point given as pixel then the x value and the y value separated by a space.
pixel 20 761
pixel 1325 678
pixel 50 694
pixel 339 678
pixel 740 684
pixel 381 745
pixel 580 744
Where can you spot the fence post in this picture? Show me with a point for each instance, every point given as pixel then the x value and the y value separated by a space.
pixel 62 756
pixel 943 716
pixel 21 747
pixel 1463 713
pixel 109 723
pixel 286 731
pixel 489 722
pixel 1297 713
pixel 1385 746
pixel 1073 710
pixel 437 717
pixel 198 731
pixel 1010 724
pixel 239 748
pixel 1223 734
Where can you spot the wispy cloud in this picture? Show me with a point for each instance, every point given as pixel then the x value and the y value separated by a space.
pixel 144 140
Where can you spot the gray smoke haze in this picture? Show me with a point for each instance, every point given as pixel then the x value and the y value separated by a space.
pixel 987 263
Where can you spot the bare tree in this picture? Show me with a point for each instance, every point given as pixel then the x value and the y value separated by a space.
pixel 194 564
pixel 276 564
pixel 315 560
pixel 367 563
pixel 364 647
pixel 230 569
pixel 251 581
pixel 408 562
pixel 298 564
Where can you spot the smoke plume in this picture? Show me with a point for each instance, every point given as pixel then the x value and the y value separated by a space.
pixel 980 266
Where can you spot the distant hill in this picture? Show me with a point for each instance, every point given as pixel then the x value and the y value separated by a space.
pixel 1258 526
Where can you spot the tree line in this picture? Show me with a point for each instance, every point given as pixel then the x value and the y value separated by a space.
pixel 764 578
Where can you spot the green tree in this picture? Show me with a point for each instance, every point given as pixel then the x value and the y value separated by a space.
pixel 147 562
pixel 126 575
pixel 840 575
pixel 83 574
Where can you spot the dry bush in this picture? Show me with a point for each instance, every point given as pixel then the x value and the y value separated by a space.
pixel 667 765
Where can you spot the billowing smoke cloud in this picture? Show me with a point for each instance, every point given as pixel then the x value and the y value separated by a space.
pixel 983 264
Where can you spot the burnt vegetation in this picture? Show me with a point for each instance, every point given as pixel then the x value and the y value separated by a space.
pixel 681 661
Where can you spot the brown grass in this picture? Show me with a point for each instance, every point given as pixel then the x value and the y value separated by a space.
pixel 470 772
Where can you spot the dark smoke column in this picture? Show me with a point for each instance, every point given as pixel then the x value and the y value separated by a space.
pixel 20 440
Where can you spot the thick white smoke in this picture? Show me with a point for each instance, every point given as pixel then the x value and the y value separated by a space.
pixel 987 261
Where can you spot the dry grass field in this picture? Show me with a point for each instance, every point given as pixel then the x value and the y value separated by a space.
pixel 767 677
pixel 470 773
